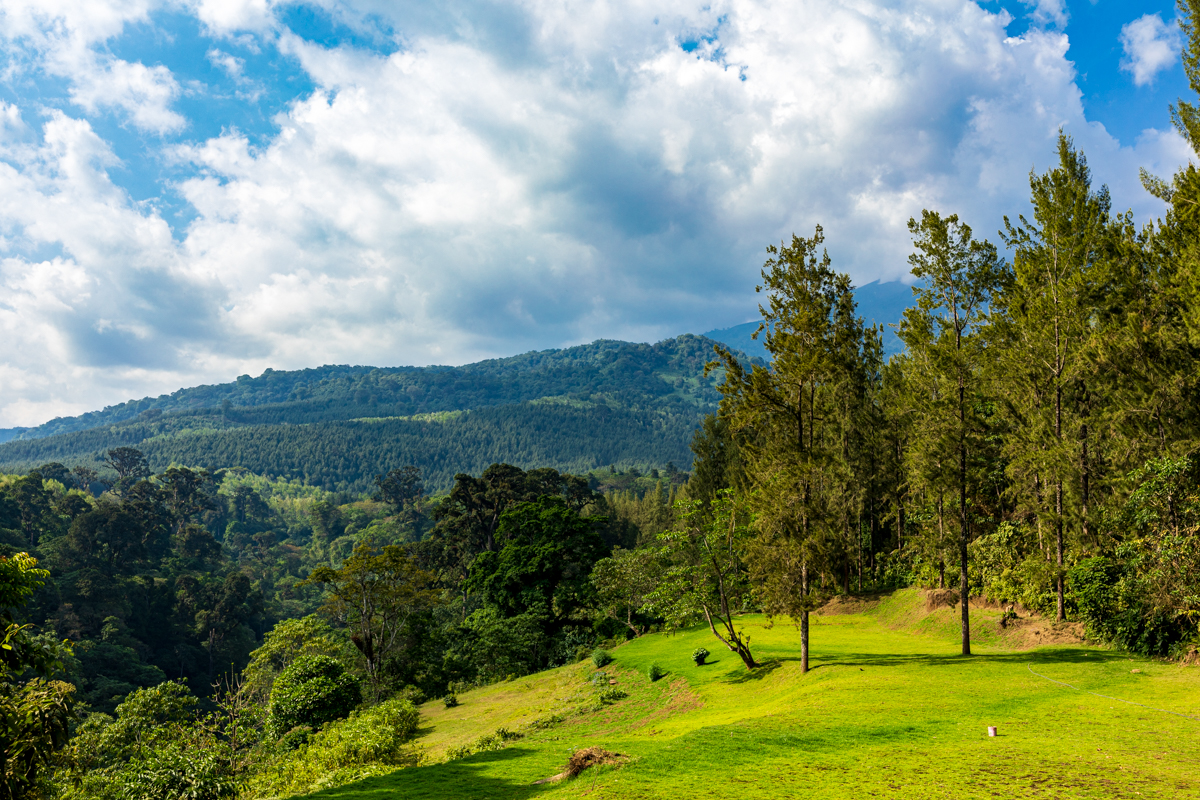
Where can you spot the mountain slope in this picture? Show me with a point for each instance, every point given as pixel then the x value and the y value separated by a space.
pixel 337 427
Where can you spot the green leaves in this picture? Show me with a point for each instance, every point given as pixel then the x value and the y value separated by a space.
pixel 313 691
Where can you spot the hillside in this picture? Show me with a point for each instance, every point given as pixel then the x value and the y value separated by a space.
pixel 889 710
pixel 338 426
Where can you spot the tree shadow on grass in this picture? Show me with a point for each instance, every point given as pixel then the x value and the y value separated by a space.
pixel 1042 656
pixel 465 777
pixel 864 660
pixel 765 668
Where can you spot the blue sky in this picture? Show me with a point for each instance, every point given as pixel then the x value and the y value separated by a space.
pixel 194 189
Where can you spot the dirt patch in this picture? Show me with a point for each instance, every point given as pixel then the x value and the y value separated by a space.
pixel 1025 633
pixel 939 598
pixel 585 759
pixel 848 604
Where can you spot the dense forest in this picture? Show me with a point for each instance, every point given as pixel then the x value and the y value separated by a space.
pixel 608 403
pixel 346 456
pixel 667 375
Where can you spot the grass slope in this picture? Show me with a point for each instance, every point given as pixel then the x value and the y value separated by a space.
pixel 888 711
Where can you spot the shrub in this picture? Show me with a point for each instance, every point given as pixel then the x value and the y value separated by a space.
pixel 313 691
pixel 369 742
pixel 698 655
pixel 412 694
pixel 194 770
pixel 655 672
pixel 601 657
pixel 484 744
pixel 451 700
pixel 611 695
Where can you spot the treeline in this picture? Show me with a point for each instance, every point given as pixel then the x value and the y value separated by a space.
pixel 667 375
pixel 179 574
pixel 164 585
pixel 346 456
pixel 1036 440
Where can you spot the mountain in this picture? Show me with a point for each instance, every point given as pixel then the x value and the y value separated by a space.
pixel 878 304
pixel 338 427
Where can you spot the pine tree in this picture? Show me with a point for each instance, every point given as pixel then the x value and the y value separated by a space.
pixel 946 359
pixel 1050 329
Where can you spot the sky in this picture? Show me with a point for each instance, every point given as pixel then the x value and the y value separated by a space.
pixel 196 189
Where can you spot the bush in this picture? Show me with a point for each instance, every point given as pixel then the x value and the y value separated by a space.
pixel 655 672
pixel 601 657
pixel 611 695
pixel 451 700
pixel 195 770
pixel 698 655
pixel 369 742
pixel 313 691
pixel 484 744
pixel 412 694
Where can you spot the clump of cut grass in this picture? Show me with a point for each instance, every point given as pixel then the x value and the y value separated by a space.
pixel 581 760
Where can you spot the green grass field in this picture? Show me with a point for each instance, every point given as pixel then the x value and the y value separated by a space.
pixel 888 711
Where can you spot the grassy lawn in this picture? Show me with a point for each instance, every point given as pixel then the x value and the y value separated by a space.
pixel 888 711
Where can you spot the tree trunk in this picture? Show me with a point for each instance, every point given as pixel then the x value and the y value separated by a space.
pixel 964 528
pixel 1086 480
pixel 804 618
pixel 964 596
pixel 1058 493
pixel 1058 536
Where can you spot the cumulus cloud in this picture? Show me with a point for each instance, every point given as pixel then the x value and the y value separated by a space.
pixel 1053 12
pixel 61 38
pixel 112 302
pixel 528 175
pixel 1150 46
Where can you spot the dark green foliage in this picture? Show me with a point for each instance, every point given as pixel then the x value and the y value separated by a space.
pixel 655 673
pixel 601 657
pixel 500 646
pixel 35 712
pixel 313 691
pixel 575 409
pixel 629 373
pixel 546 555
pixel 347 455
pixel 178 770
pixel 450 700
pixel 699 655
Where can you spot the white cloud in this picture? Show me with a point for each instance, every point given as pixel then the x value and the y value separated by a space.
pixel 112 306
pixel 1053 12
pixel 144 93
pixel 1150 46
pixel 529 175
pixel 62 38
pixel 231 65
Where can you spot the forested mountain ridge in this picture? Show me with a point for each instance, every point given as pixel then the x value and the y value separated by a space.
pixel 337 427
pixel 628 372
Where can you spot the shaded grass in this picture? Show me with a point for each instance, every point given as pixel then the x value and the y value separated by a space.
pixel 884 713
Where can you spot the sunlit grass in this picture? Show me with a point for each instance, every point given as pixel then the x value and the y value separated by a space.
pixel 884 713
